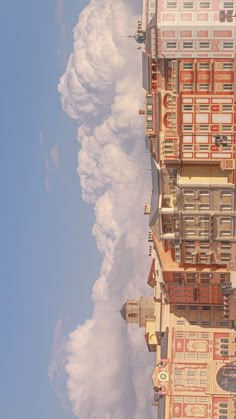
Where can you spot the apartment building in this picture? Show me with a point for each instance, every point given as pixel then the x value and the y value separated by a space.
pixel 190 117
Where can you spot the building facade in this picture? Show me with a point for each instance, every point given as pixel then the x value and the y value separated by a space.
pixel 189 77
pixel 190 119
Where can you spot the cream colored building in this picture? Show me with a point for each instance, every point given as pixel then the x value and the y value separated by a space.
pixel 195 371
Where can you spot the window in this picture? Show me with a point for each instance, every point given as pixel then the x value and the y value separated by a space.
pixel 191 275
pixel 228 45
pixel 225 207
pixel 205 335
pixel 224 405
pixel 206 308
pixel 187 44
pixel 191 373
pixel 224 340
pixel 204 193
pixel 224 353
pixel 203 44
pixel 188 193
pixel 203 382
pixel 193 322
pixel 190 245
pixel 225 256
pixel 225 245
pixel 178 399
pixel 225 233
pixel 228 5
pixel 203 107
pixel 227 108
pixel 171 45
pixel 226 127
pixel 171 5
pixel 188 5
pixel 187 66
pixel 190 232
pixel 188 107
pixel 227 86
pixel 192 335
pixel 204 4
pixel 193 308
pixel 179 380
pixel 179 335
pixel 205 323
pixel 224 323
pixel 187 147
pixel 204 86
pixel 191 355
pixel 189 219
pixel 178 373
pixel 205 280
pixel 203 127
pixel 187 127
pixel 190 400
pixel 188 86
pixel 226 194
pixel 189 206
pixel 204 66
pixel 204 246
pixel 180 322
pixel 228 66
pixel 203 207
pixel 179 355
pixel 203 355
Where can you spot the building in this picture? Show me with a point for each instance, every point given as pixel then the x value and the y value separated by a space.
pixel 195 370
pixel 189 77
pixel 190 118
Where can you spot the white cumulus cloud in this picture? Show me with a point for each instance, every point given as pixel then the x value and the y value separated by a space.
pixel 107 362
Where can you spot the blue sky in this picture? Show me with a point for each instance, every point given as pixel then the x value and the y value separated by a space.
pixel 46 249
pixel 60 295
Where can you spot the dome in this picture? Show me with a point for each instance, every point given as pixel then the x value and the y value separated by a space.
pixel 123 311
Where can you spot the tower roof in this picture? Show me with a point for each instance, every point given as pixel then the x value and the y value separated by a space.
pixel 123 311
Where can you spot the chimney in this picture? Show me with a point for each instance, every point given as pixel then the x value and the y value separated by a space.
pixel 147 209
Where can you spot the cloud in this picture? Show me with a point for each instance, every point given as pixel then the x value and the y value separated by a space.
pixel 59 13
pixel 55 155
pixel 41 139
pixel 56 370
pixel 47 166
pixel 107 362
pixel 46 183
pixel 57 351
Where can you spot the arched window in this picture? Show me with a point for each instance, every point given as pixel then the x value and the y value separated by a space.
pixel 224 346
pixel 224 411
pixel 224 405
pixel 224 340
pixel 132 315
pixel 224 353
pixel 226 378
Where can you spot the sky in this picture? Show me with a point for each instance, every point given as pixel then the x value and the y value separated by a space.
pixel 74 184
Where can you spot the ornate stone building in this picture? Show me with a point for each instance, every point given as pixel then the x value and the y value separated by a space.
pixel 138 311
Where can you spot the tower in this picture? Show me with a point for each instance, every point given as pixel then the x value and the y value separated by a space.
pixel 138 311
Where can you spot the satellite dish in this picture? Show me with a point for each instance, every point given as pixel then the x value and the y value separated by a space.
pixel 220 139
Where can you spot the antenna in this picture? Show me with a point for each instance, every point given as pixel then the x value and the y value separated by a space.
pixel 139 36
